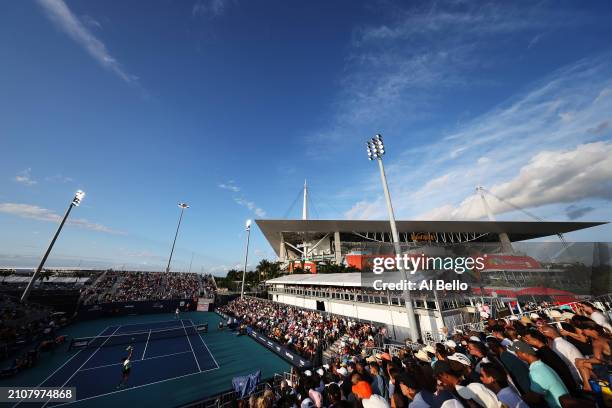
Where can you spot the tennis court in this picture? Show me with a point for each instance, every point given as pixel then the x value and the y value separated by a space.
pixel 163 351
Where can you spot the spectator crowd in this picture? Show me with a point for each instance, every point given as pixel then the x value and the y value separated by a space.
pixel 25 330
pixel 120 286
pixel 560 357
pixel 307 332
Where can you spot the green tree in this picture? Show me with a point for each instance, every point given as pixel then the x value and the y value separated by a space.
pixel 268 270
pixel 45 275
pixel 334 268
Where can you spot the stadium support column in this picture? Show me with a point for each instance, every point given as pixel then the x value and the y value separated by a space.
pixel 376 150
pixel 282 251
pixel 246 255
pixel 76 201
pixel 337 247
pixel 503 237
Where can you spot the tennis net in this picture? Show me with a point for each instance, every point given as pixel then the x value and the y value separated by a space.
pixel 131 338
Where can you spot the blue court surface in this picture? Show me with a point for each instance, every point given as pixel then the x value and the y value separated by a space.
pixel 169 356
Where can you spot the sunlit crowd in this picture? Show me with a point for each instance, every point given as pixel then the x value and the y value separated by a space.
pixel 560 357
pixel 307 332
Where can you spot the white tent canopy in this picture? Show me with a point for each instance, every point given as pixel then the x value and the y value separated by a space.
pixel 352 279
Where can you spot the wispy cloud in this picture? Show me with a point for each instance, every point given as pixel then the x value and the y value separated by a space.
pixel 398 72
pixel 210 8
pixel 240 199
pixel 229 186
pixel 251 206
pixel 64 18
pixel 24 177
pixel 59 178
pixel 538 148
pixel 43 214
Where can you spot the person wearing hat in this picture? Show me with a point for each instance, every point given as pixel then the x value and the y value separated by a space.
pixel 479 394
pixel 450 380
pixel 344 380
pixel 545 383
pixel 495 378
pixel 422 355
pixel 363 393
pixel 451 345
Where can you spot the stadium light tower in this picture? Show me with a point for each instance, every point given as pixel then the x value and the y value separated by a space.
pixel 182 206
pixel 76 201
pixel 376 150
pixel 246 255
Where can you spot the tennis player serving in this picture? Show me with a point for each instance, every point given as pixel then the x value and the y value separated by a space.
pixel 126 367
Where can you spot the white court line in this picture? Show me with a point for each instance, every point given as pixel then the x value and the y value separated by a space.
pixel 205 345
pixel 67 361
pixel 194 354
pixel 134 361
pixel 133 388
pixel 82 365
pixel 149 324
pixel 146 344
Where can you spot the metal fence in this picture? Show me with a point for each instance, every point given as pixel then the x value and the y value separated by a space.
pixel 228 399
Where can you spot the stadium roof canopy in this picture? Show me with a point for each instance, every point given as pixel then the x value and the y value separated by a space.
pixel 516 230
pixel 352 279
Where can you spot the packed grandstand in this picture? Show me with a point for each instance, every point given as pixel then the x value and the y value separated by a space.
pixel 548 356
pixel 543 354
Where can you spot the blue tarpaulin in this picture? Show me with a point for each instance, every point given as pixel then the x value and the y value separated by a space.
pixel 245 385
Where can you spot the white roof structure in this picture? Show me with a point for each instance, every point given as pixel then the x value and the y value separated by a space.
pixel 351 279
pixel 52 279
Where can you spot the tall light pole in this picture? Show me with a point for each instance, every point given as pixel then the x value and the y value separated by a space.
pixel 76 201
pixel 246 255
pixel 376 150
pixel 182 206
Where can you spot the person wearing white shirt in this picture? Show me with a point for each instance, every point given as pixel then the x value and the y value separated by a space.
pixel 596 315
pixel 566 350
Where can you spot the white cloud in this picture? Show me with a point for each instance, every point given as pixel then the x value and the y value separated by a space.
pixel 62 16
pixel 90 21
pixel 229 186
pixel 241 200
pixel 24 177
pixel 211 8
pixel 550 177
pixel 505 147
pixel 251 206
pixel 43 214
pixel 398 72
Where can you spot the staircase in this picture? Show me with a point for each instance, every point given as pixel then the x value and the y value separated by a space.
pixel 332 351
pixel 85 300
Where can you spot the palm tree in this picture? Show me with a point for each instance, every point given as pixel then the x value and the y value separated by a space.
pixel 45 275
pixel 5 273
pixel 268 270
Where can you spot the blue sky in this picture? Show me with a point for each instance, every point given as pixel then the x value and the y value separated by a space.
pixel 228 105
